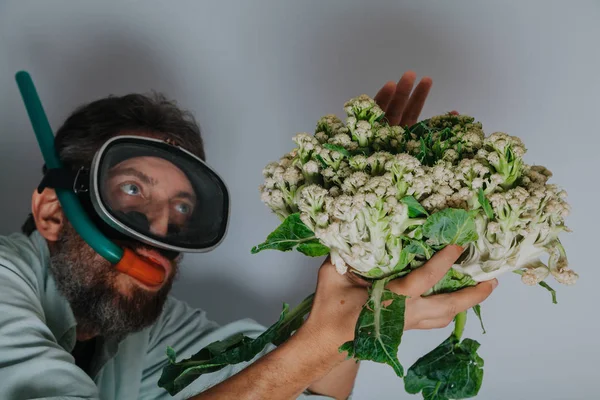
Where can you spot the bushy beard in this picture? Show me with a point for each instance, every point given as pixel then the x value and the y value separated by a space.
pixel 89 282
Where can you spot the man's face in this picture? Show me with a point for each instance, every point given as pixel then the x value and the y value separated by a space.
pixel 104 300
pixel 154 191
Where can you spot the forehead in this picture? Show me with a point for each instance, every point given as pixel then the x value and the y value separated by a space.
pixel 146 163
pixel 152 170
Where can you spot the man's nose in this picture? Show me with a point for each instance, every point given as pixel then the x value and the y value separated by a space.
pixel 159 222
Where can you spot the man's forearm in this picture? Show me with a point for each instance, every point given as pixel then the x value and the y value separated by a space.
pixel 284 373
pixel 339 382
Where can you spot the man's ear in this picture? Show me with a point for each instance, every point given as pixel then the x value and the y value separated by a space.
pixel 47 214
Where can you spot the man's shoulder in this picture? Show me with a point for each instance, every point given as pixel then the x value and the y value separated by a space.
pixel 24 256
pixel 176 311
pixel 179 318
pixel 16 243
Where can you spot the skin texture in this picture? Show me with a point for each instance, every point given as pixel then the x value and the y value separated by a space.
pixel 154 187
pixel 309 359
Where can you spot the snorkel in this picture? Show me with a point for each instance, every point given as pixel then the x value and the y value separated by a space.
pixel 124 260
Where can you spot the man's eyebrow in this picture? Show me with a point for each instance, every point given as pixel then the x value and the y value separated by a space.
pixel 134 172
pixel 186 195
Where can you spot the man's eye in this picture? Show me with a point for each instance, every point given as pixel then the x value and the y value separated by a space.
pixel 183 208
pixel 130 189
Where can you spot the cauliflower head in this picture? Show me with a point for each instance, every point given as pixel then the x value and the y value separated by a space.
pixel 384 198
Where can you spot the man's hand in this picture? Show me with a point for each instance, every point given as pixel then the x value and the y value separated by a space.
pixel 339 298
pixel 310 358
pixel 400 106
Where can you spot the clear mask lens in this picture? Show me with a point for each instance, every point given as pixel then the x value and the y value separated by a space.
pixel 161 195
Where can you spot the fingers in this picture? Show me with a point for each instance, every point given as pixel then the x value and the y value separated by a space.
pixel 416 102
pixel 384 96
pixel 422 279
pixel 328 276
pixel 432 324
pixel 399 105
pixel 450 304
pixel 357 280
pixel 401 96
pixel 439 310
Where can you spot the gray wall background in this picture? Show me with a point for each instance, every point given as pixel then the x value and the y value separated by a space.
pixel 255 73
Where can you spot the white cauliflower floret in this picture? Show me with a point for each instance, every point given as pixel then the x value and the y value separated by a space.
pixel 354 182
pixel 311 170
pixel 274 199
pixel 461 199
pixel 342 139
pixel 435 202
pixel 534 273
pixel 269 170
pixel 377 162
pixel 322 137
pixel 499 141
pixel 362 133
pixel 421 186
pixel 311 167
pixel 536 174
pixel 292 175
pixel 412 146
pixel 330 158
pixel 388 138
pixel 472 141
pixel 307 144
pixel 443 174
pixel 358 162
pixel 330 125
pixel 312 199
pixel 363 107
pixel 450 155
pixel 402 163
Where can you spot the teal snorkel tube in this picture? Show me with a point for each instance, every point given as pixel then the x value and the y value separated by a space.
pixel 125 260
pixel 68 199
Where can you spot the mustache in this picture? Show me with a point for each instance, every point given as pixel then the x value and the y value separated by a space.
pixel 134 245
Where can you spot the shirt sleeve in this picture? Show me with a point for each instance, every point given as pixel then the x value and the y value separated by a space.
pixel 188 330
pixel 32 362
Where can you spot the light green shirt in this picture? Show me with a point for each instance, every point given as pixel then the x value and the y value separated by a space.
pixel 37 335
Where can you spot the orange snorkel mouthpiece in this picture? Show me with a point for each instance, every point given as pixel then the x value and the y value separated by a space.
pixel 140 269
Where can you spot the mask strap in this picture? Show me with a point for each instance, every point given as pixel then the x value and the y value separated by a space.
pixel 63 178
